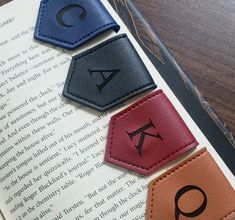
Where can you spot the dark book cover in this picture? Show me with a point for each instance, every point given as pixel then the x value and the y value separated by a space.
pixel 199 109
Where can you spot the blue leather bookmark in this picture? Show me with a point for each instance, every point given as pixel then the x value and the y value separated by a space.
pixel 71 23
pixel 107 75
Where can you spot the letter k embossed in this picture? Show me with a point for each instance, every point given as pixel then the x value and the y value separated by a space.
pixel 71 23
pixel 107 75
pixel 142 132
pixel 147 135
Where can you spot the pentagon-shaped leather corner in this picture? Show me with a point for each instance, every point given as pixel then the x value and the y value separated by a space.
pixel 196 188
pixel 107 75
pixel 147 135
pixel 71 23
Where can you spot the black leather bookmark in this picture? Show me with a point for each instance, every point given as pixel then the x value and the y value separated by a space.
pixel 107 74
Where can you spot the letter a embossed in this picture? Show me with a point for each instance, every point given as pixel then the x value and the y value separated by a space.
pixel 105 79
pixel 142 133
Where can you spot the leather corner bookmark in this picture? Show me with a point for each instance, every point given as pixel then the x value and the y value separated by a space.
pixel 71 23
pixel 107 75
pixel 194 189
pixel 147 135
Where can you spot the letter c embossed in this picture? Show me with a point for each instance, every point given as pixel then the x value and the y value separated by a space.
pixel 61 13
pixel 195 213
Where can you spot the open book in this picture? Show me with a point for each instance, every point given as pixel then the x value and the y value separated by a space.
pixel 52 149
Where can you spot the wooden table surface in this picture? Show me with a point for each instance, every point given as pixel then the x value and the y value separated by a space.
pixel 201 36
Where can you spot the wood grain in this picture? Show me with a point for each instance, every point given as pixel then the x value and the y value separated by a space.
pixel 2 2
pixel 201 36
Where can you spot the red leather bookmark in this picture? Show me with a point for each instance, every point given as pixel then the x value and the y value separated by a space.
pixel 147 135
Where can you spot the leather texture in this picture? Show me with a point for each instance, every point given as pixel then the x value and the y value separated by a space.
pixel 107 75
pixel 147 135
pixel 71 23
pixel 195 189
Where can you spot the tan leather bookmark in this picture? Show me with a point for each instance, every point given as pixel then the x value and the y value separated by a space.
pixel 195 189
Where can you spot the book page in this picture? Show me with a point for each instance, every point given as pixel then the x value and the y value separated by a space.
pixel 52 149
